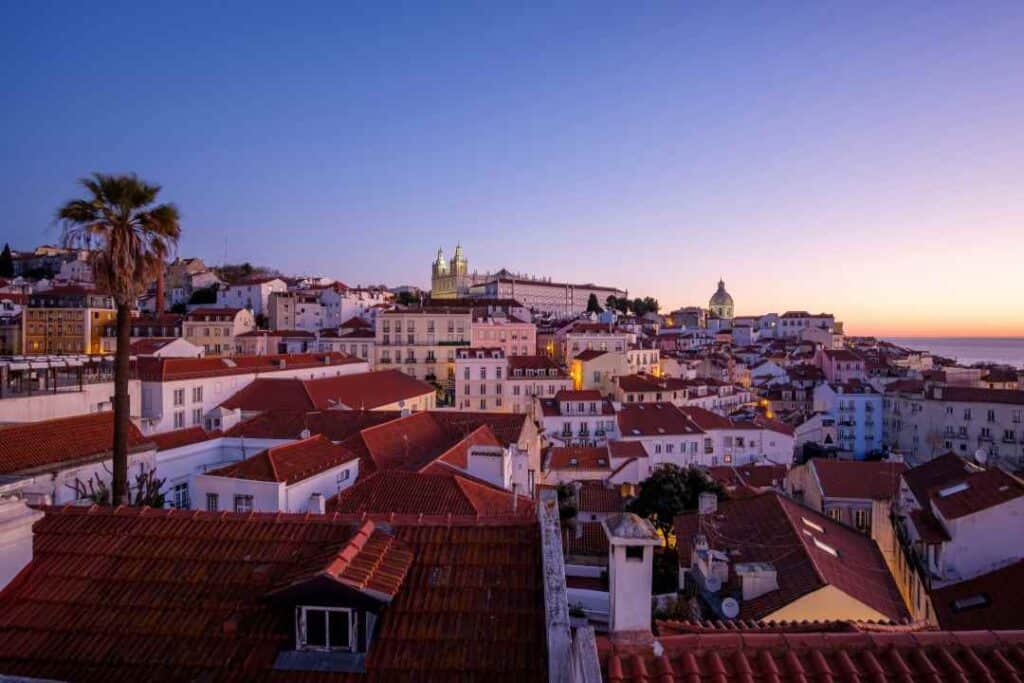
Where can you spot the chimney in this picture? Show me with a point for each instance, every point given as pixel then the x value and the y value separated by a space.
pixel 707 503
pixel 316 504
pixel 631 543
pixel 515 498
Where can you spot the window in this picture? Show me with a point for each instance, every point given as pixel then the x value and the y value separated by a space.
pixel 243 503
pixel 197 416
pixel 180 497
pixel 179 419
pixel 197 394
pixel 179 397
pixel 860 518
pixel 212 502
pixel 635 553
pixel 324 628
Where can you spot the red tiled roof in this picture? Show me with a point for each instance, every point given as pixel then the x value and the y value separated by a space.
pixel 289 463
pixel 415 493
pixel 336 425
pixel 771 528
pixel 975 395
pixel 355 324
pixel 416 441
pixel 843 355
pixel 181 437
pixel 862 480
pixel 750 476
pixel 627 449
pixel 979 491
pixel 589 355
pixel 594 496
pixel 41 445
pixel 361 391
pixel 945 469
pixel 149 345
pixel 728 657
pixel 647 383
pixel 216 313
pixel 654 419
pixel 578 458
pixel 136 594
pixel 578 395
pixel 587 538
pixel 989 601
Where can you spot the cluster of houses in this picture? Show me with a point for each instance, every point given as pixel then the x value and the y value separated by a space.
pixel 334 486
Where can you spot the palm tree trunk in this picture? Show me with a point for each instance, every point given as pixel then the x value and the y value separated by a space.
pixel 122 406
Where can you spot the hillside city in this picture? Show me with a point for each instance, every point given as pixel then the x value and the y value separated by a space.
pixel 502 476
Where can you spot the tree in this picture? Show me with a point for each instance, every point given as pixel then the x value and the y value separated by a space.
pixel 592 305
pixel 406 298
pixel 204 295
pixel 6 262
pixel 671 491
pixel 130 237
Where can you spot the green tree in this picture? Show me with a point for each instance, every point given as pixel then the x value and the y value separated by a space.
pixel 6 262
pixel 671 491
pixel 406 298
pixel 592 304
pixel 205 295
pixel 130 237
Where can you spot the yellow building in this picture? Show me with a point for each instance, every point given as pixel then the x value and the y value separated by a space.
pixel 66 320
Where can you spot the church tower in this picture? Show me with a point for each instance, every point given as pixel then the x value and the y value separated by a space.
pixel 460 266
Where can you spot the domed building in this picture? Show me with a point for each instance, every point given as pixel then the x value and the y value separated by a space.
pixel 721 304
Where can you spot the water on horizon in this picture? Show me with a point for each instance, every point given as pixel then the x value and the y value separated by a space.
pixel 969 350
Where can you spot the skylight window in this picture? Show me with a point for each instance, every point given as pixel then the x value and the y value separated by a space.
pixel 826 548
pixel 817 527
pixel 971 602
pixel 954 489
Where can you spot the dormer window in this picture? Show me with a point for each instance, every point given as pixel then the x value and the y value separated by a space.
pixel 328 629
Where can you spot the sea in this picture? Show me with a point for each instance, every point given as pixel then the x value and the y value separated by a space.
pixel 969 350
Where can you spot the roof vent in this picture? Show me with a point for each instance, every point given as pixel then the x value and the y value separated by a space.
pixel 826 548
pixel 817 527
pixel 954 489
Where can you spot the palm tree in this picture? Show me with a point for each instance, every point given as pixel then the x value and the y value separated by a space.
pixel 130 238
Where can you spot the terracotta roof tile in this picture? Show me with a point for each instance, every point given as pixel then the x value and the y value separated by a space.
pixel 578 458
pixel 152 369
pixel 444 493
pixel 39 445
pixel 181 437
pixel 989 601
pixel 771 528
pixel 728 657
pixel 858 479
pixel 361 391
pixel 154 595
pixel 289 463
pixel 654 419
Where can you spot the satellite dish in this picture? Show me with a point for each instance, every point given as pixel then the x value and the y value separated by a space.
pixel 713 584
pixel 981 456
pixel 730 608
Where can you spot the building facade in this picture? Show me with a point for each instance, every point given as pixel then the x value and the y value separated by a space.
pixel 66 320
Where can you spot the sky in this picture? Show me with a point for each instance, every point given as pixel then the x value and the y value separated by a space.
pixel 865 159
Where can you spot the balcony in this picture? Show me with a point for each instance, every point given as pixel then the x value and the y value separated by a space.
pixel 409 361
pixel 453 343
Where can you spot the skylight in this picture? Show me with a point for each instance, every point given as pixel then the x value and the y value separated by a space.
pixel 827 548
pixel 817 527
pixel 954 489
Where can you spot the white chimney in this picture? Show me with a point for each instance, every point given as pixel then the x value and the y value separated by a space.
pixel 707 503
pixel 631 543
pixel 756 578
pixel 317 504
pixel 490 463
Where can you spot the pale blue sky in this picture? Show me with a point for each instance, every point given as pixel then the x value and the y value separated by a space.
pixel 857 157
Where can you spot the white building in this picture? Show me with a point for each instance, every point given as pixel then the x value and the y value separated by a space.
pixel 253 294
pixel 295 477
pixel 341 304
pixel 182 392
pixel 528 377
pixel 576 418
pixel 857 408
pixel 480 375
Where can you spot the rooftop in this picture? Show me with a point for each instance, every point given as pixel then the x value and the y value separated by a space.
pixel 863 480
pixel 39 446
pixel 360 391
pixel 289 463
pixel 166 595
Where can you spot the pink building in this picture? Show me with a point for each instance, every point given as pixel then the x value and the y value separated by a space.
pixel 840 365
pixel 513 336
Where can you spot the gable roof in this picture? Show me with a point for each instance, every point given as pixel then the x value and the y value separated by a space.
pixel 578 458
pixel 289 463
pixel 771 528
pixel 156 369
pixel 858 479
pixel 654 419
pixel 439 493
pixel 415 442
pixel 990 601
pixel 181 437
pixel 360 391
pixel 34 446
pixel 798 657
pixel 134 594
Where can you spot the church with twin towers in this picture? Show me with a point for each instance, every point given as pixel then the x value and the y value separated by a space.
pixel 452 279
